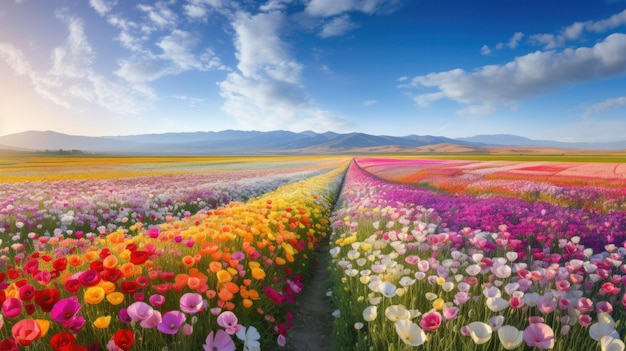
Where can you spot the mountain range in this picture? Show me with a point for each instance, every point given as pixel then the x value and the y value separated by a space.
pixel 236 142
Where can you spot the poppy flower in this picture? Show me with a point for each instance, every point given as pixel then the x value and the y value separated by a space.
pixel 102 322
pixel 191 303
pixel 171 322
pixel 111 274
pixel 129 286
pixel 94 295
pixel 72 285
pixel 65 309
pixel 89 278
pixel 124 339
pixel 11 307
pixel 139 311
pixel 47 298
pixel 221 341
pixel 26 331
pixel 61 340
pixel 9 344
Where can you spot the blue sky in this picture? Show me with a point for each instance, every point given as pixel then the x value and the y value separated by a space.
pixel 543 69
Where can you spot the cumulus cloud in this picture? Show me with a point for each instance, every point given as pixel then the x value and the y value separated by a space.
pixel 606 105
pixel 71 78
pixel 485 50
pixel 337 26
pixel 160 14
pixel 528 75
pixel 266 92
pixel 514 41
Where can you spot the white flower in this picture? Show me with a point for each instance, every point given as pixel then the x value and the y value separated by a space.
pixel 250 337
pixel 510 337
pixel 397 312
pixel 387 289
pixel 609 343
pixel 370 313
pixel 480 332
pixel 497 304
pixel 410 333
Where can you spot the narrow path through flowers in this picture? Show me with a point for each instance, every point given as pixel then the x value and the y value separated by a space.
pixel 312 324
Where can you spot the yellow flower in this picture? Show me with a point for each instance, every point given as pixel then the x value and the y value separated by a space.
pixel 102 322
pixel 223 276
pixel 108 287
pixel 438 304
pixel 94 295
pixel 115 298
pixel 44 325
pixel 258 273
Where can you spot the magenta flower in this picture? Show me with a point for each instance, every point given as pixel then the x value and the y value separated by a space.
pixel 65 310
pixel 228 321
pixel 539 335
pixel 171 321
pixel 431 321
pixel 157 300
pixel 152 321
pixel 11 307
pixel 221 342
pixel 191 303
pixel 75 324
pixel 138 311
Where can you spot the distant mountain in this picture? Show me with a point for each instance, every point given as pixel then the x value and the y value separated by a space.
pixel 515 140
pixel 237 142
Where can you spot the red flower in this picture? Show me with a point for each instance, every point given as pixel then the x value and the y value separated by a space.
pixel 61 340
pixel 124 339
pixel 72 285
pixel 3 276
pixel 30 308
pixel 8 344
pixel 129 286
pixel 46 298
pixel 138 256
pixel 59 264
pixel 104 253
pixel 96 266
pixel 131 247
pixel 89 277
pixel 111 275
pixel 13 273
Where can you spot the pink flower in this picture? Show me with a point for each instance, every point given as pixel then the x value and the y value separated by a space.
pixel 26 331
pixel 138 311
pixel 221 342
pixel 228 321
pixel 546 305
pixel 584 305
pixel 11 307
pixel 157 300
pixel 516 302
pixel 191 303
pixel 604 306
pixel 431 321
pixel 450 312
pixel 539 335
pixel 65 310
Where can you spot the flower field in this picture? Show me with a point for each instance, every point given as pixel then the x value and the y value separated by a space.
pixel 153 275
pixel 425 254
pixel 444 267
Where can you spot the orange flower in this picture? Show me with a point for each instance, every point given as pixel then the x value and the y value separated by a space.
pixel 247 303
pixel 109 262
pixel 258 273
pixel 254 295
pixel 115 298
pixel 225 295
pixel 280 261
pixel 193 283
pixel 232 287
pixel 188 261
pixel 108 287
pixel 215 266
pixel 44 326
pixel 128 269
pixel 223 276
pixel 74 260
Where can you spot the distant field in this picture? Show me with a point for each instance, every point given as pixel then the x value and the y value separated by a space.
pixel 18 167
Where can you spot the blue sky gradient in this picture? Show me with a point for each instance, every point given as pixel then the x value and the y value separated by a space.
pixel 551 70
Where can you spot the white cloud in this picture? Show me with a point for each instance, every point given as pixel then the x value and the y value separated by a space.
pixel 160 14
pixel 369 102
pixel 606 105
pixel 266 93
pixel 527 75
pixel 576 30
pixel 102 7
pixel 337 26
pixel 71 79
pixel 329 8
pixel 514 41
pixel 275 5
pixel 485 50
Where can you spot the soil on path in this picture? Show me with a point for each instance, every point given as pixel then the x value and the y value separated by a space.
pixel 312 322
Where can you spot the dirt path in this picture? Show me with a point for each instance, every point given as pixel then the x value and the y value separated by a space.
pixel 312 323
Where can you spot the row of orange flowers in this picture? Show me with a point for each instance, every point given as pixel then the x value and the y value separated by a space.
pixel 219 279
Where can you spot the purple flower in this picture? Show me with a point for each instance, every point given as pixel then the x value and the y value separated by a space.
pixel 171 321
pixel 124 317
pixel 65 309
pixel 191 303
